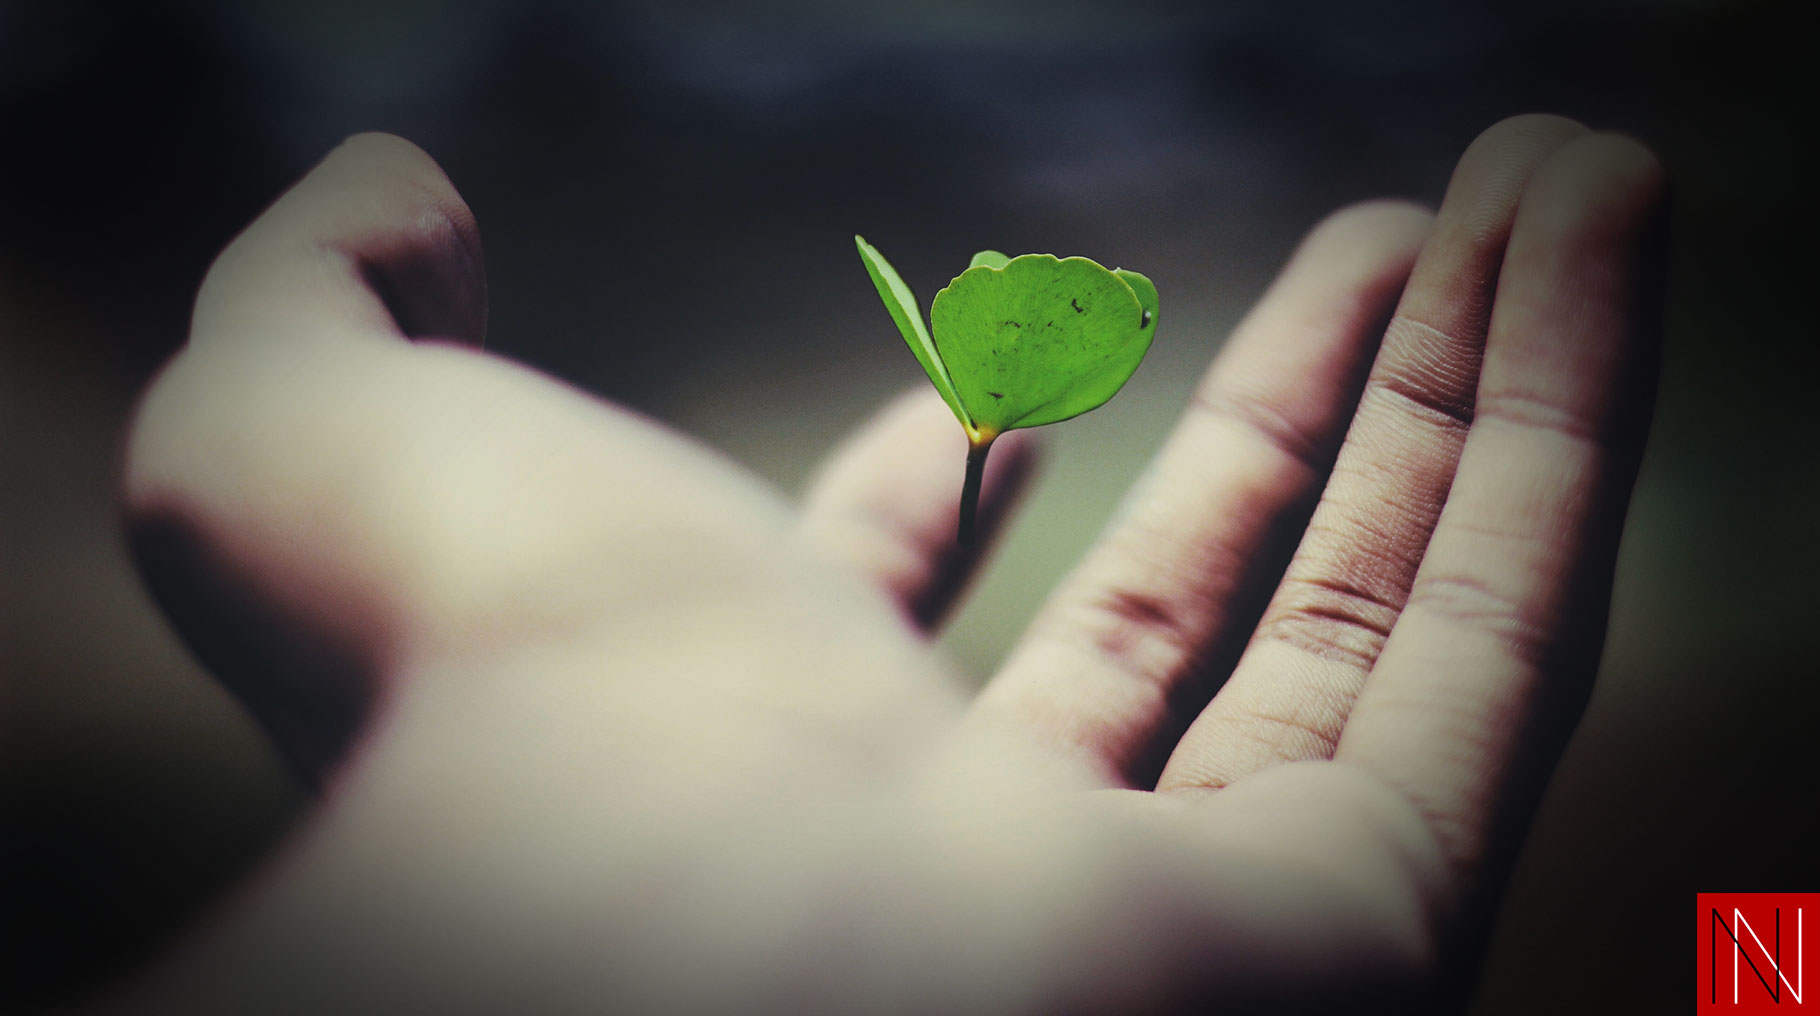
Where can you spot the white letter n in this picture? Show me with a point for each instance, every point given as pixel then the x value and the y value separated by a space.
pixel 1793 989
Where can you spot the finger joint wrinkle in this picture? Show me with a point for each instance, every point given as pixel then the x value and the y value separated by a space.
pixel 1433 371
pixel 1276 429
pixel 1475 603
pixel 1530 411
pixel 1143 634
pixel 1332 619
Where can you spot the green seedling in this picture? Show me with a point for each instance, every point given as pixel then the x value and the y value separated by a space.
pixel 1020 342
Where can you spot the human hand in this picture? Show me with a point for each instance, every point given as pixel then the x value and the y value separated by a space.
pixel 601 723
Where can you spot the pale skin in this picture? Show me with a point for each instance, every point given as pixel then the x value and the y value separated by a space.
pixel 604 724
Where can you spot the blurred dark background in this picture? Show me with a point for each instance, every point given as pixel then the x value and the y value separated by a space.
pixel 667 193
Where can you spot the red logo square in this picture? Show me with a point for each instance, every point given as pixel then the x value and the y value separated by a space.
pixel 1753 953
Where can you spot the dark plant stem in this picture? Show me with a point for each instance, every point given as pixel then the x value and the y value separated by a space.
pixel 970 490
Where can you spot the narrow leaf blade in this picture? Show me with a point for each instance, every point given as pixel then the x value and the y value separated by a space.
pixel 901 302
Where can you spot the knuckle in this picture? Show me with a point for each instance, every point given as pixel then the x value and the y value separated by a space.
pixel 1299 732
pixel 1140 633
pixel 1266 421
pixel 1532 411
pixel 1431 371
pixel 1477 604
pixel 1332 619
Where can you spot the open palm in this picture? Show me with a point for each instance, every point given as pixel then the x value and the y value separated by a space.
pixel 601 723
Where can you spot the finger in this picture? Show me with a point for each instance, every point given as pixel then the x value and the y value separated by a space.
pixel 885 503
pixel 1125 648
pixel 1490 664
pixel 375 240
pixel 239 517
pixel 1290 694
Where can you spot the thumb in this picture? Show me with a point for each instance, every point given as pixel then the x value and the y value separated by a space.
pixel 373 246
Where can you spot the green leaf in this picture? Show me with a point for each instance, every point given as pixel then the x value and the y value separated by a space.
pixel 1042 339
pixel 1021 342
pixel 902 305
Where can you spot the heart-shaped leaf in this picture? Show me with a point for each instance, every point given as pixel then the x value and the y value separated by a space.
pixel 1021 342
pixel 1040 339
